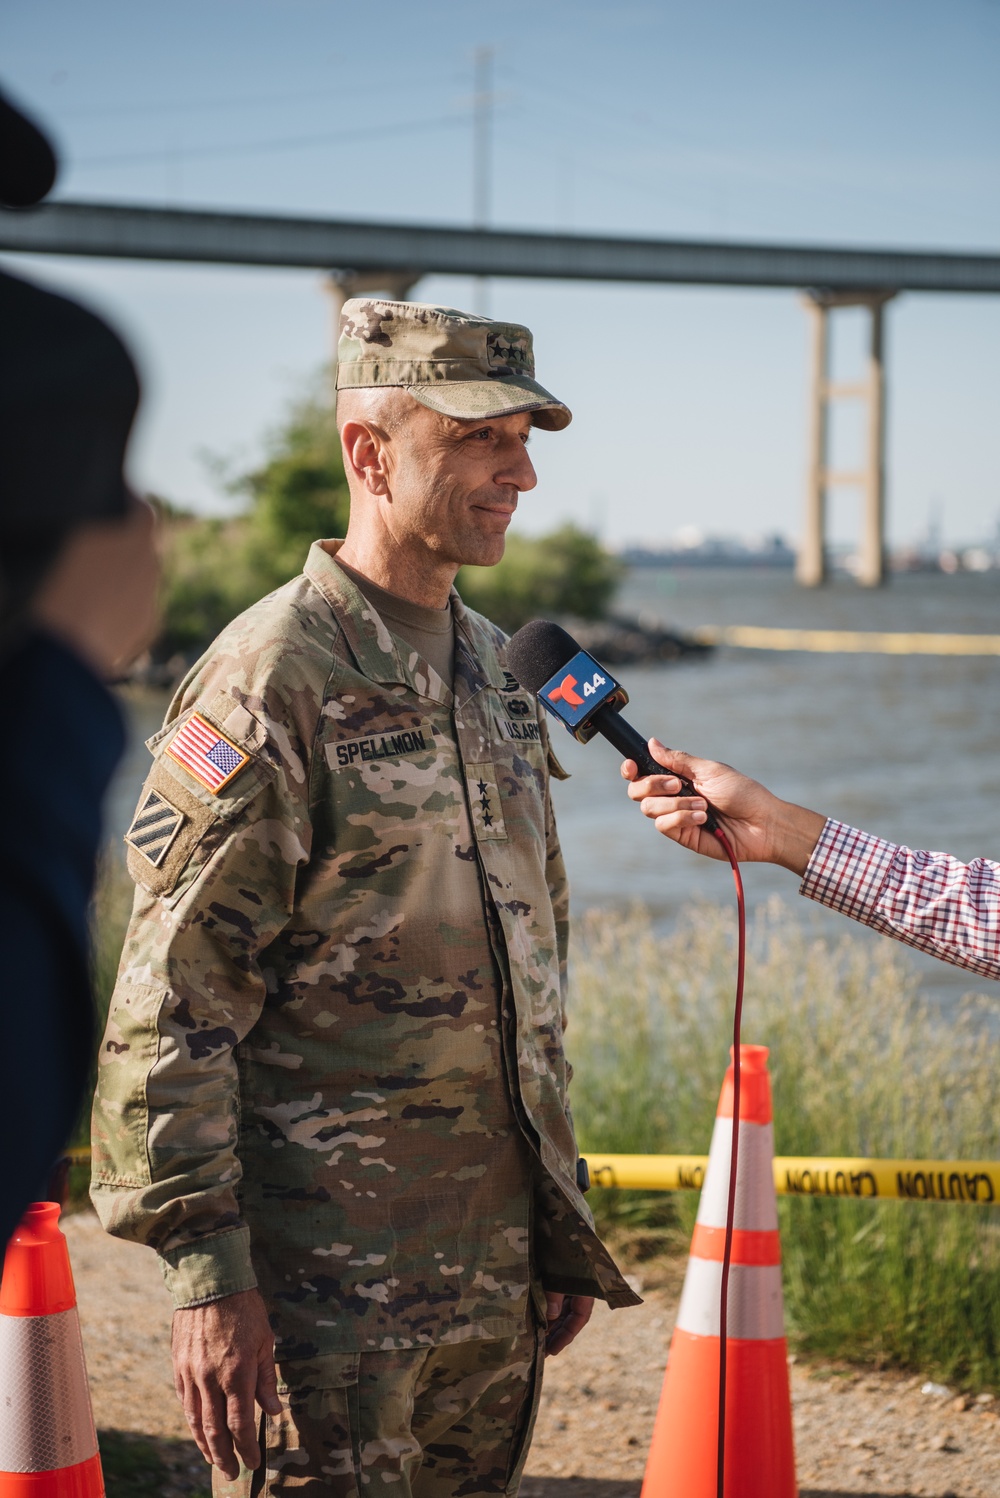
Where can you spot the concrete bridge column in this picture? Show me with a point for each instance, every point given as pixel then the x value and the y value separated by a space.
pixel 810 565
pixel 811 569
pixel 872 561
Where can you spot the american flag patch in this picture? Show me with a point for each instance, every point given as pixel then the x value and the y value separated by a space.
pixel 206 754
pixel 154 827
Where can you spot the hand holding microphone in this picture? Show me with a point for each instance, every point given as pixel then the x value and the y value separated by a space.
pixel 686 803
pixel 761 828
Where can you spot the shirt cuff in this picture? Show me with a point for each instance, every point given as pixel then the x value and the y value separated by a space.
pixel 848 869
pixel 209 1269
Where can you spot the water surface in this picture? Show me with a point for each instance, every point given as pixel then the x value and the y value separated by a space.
pixel 903 746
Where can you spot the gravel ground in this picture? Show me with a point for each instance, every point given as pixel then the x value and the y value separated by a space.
pixel 855 1434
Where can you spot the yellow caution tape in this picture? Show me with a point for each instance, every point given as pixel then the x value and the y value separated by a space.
pixel 648 1172
pixel 975 1181
pixel 903 1180
pixel 848 641
pixel 79 1156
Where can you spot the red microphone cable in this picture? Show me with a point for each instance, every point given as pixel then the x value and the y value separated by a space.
pixel 734 1153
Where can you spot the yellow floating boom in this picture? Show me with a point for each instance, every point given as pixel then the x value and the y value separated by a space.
pixel 847 641
pixel 903 1180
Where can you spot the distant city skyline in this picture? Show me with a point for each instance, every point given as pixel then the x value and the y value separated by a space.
pixel 716 122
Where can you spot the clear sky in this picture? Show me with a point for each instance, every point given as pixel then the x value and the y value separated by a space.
pixel 872 122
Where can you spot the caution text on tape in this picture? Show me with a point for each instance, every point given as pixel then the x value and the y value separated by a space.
pixel 975 1181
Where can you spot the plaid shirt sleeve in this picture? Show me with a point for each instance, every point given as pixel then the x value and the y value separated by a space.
pixel 928 900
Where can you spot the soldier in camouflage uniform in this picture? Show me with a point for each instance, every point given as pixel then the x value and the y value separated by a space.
pixel 332 1092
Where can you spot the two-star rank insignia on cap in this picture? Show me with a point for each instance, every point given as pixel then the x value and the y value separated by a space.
pixel 206 754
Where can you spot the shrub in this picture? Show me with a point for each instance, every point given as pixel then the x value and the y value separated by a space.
pixel 214 569
pixel 566 572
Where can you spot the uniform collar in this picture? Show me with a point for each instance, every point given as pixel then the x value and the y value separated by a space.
pixel 376 649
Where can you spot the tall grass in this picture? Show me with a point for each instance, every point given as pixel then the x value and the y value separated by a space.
pixel 858 1067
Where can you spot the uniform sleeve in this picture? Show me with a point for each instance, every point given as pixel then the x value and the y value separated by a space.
pixel 931 901
pixel 191 985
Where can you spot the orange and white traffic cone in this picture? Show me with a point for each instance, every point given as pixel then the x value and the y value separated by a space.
pixel 48 1444
pixel 760 1456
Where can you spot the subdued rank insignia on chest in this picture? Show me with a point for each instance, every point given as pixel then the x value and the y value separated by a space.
pixel 484 799
pixel 154 827
pixel 206 753
pixel 519 731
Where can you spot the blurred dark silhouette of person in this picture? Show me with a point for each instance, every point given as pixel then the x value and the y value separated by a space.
pixel 78 582
pixel 28 165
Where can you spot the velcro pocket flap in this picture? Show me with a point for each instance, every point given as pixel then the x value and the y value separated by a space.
pixel 338 1370
pixel 177 817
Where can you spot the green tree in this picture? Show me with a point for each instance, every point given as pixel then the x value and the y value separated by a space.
pixel 565 572
pixel 214 569
pixel 299 494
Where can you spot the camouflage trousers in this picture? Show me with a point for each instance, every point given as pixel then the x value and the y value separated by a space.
pixel 452 1421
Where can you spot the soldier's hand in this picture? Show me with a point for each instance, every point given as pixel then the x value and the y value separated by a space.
pixel 223 1361
pixel 566 1316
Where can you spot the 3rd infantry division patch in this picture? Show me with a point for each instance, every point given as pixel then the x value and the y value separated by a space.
pixel 154 827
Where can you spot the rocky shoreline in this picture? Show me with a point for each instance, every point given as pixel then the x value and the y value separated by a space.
pixel 620 641
pixel 617 641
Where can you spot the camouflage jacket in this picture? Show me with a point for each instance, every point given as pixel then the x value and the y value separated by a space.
pixel 294 1081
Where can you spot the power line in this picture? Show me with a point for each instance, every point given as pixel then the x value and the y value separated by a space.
pixel 482 170
pixel 290 143
pixel 256 101
pixel 605 116
pixel 329 95
pixel 482 155
pixel 775 176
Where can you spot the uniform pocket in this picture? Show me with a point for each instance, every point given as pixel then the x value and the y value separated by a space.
pixel 121 1116
pixel 316 1445
pixel 177 818
pixel 168 825
pixel 425 1244
pixel 337 1370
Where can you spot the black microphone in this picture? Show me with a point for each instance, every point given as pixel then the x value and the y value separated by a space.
pixel 582 694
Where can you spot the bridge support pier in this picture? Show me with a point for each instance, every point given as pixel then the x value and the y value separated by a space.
pixel 811 565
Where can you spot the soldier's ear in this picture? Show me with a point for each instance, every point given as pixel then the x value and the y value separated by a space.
pixel 365 455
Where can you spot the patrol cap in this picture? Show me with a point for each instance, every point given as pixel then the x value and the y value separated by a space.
pixel 453 362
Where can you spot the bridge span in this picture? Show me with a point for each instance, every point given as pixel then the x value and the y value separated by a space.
pixel 365 256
